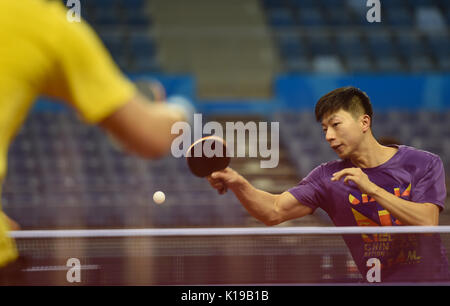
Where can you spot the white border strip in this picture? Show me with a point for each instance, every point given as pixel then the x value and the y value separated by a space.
pixel 161 232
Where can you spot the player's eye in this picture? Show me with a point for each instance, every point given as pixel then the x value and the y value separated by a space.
pixel 336 124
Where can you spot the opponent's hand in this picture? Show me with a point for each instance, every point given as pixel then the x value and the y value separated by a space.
pixel 184 106
pixel 224 179
pixel 357 176
pixel 152 89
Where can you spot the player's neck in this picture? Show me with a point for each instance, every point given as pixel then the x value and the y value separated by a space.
pixel 372 154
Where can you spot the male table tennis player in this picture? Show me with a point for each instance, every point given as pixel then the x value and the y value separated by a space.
pixel 42 53
pixel 371 185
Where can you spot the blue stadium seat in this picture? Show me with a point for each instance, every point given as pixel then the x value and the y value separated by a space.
pixel 429 117
pixel 394 4
pixel 420 63
pixel 26 199
pixel 447 14
pixel 102 3
pixel 106 15
pixel 114 43
pixel 410 45
pixel 350 45
pixel 440 49
pixel 136 16
pixel 138 4
pixel 380 44
pixel 358 64
pixel 339 16
pixel 416 3
pixel 291 46
pixel 387 64
pixel 287 118
pixel 357 7
pixel 166 216
pixel 280 17
pixel 328 63
pixel 321 45
pixel 439 44
pixel 98 216
pixel 302 3
pixel 195 215
pixel 293 65
pixel 310 17
pixel 225 215
pixel 273 4
pixel 144 64
pixel 443 62
pixel 142 45
pixel 332 3
pixel 399 16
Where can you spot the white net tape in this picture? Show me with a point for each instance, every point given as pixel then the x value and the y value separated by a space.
pixel 250 255
pixel 159 232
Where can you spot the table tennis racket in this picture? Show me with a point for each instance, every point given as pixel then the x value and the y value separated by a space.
pixel 207 155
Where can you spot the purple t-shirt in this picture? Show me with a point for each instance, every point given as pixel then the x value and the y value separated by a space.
pixel 411 174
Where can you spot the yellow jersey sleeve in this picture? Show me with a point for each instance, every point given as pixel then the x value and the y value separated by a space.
pixel 83 72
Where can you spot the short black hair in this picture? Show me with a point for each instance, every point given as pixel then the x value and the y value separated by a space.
pixel 350 99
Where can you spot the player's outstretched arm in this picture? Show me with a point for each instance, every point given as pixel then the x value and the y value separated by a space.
pixel 143 128
pixel 269 208
pixel 82 73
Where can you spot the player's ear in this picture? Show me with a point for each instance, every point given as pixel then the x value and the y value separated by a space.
pixel 365 121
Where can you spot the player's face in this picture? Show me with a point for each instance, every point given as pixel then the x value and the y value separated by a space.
pixel 343 132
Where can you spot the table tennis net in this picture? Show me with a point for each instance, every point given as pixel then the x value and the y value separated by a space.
pixel 201 256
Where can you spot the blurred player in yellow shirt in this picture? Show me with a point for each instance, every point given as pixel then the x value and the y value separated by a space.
pixel 42 53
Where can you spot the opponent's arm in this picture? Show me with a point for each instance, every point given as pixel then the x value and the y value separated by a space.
pixel 83 74
pixel 143 128
pixel 268 208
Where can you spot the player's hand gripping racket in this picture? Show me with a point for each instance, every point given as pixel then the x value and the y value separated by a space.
pixel 207 155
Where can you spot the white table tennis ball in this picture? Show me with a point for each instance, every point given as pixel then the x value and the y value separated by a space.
pixel 159 197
